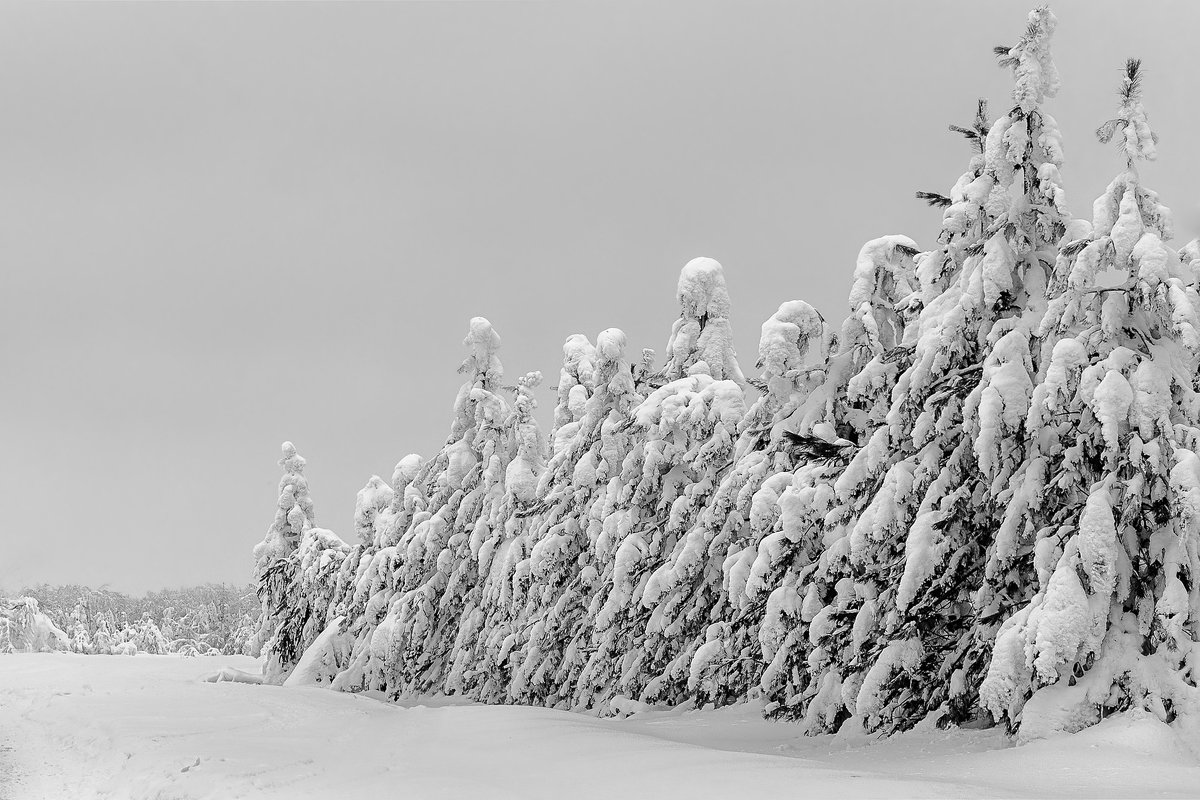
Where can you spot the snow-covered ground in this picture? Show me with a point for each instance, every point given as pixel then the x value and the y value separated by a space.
pixel 76 726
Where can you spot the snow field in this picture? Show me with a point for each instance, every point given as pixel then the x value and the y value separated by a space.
pixel 146 727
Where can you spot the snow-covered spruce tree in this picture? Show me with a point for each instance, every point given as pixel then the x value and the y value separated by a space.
pixel 684 433
pixel 499 523
pixel 298 577
pixel 367 599
pixel 817 405
pixel 887 603
pixel 1109 506
pixel 371 510
pixel 319 558
pixel 711 645
pixel 552 573
pixel 845 414
pixel 435 562
pixel 275 569
pixel 687 431
pixel 507 607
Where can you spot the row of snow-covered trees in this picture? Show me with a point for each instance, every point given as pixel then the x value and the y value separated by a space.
pixel 197 620
pixel 977 497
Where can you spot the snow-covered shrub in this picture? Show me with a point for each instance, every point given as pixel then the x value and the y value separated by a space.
pixel 25 629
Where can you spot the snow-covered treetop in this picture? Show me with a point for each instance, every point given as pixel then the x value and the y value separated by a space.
pixel 404 476
pixel 702 333
pixel 576 379
pixel 787 336
pixel 372 499
pixel 406 471
pixel 702 291
pixel 482 362
pixel 526 402
pixel 610 345
pixel 612 377
pixel 523 472
pixel 291 461
pixel 294 485
pixel 1032 65
pixel 579 356
pixel 293 514
pixel 1137 141
pixel 884 274
pixel 477 404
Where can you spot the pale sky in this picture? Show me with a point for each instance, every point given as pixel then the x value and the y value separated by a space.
pixel 227 225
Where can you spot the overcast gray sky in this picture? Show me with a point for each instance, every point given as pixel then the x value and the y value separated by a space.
pixel 226 225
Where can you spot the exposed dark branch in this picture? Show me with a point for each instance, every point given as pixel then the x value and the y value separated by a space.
pixel 934 199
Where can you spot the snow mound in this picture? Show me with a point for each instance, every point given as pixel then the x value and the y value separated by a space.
pixel 231 675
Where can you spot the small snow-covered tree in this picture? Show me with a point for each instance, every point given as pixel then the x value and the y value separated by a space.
pixel 279 635
pixel 25 629
pixel 146 636
pixel 365 603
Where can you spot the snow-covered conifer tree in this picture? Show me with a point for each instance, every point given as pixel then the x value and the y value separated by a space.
pixel 1104 516
pixel 710 644
pixel 437 567
pixel 368 573
pixel 319 559
pixel 552 573
pixel 275 569
pixel 684 434
pixel 502 520
pixel 887 604
pixel 686 431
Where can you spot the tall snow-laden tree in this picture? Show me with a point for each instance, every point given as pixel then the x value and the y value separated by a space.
pixel 436 563
pixel 1107 514
pixel 887 603
pixel 279 634
pixel 686 431
pixel 709 641
pixel 553 574
pixel 497 525
pixel 819 429
pixel 502 627
pixel 684 435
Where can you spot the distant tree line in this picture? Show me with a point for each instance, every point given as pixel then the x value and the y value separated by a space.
pixel 196 620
